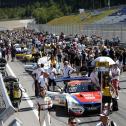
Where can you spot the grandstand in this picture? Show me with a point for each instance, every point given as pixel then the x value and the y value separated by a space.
pixel 116 17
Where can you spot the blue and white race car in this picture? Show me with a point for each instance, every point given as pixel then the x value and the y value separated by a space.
pixel 78 94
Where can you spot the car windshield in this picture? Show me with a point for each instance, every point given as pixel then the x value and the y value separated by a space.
pixel 17 46
pixel 82 87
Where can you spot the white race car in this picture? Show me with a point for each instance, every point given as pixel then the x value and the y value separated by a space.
pixel 44 60
pixel 79 96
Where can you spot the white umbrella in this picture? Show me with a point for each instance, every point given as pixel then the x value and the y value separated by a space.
pixel 44 60
pixel 103 59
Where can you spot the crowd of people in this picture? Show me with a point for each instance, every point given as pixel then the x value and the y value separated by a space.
pixel 76 53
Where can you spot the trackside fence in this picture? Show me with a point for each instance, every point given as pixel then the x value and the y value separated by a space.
pixel 104 30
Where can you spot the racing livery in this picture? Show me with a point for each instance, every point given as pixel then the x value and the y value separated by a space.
pixel 79 97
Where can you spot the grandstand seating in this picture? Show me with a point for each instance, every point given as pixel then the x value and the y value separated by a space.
pixel 116 17
pixel 120 12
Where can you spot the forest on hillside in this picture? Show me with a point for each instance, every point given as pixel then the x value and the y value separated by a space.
pixel 46 10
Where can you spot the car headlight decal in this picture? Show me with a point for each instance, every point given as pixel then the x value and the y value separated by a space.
pixel 74 105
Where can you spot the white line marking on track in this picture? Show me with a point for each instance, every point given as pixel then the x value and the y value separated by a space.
pixel 25 94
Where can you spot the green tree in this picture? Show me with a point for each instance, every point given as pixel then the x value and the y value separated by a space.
pixel 3 14
pixel 54 12
pixel 40 15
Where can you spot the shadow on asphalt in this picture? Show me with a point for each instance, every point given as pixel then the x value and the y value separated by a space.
pixel 26 109
pixel 88 122
pixel 29 98
pixel 60 111
pixel 122 81
pixel 122 88
pixel 24 74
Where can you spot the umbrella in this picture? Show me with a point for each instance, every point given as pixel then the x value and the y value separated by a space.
pixel 103 59
pixel 43 60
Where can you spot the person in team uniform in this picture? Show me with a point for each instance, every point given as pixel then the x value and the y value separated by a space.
pixel 43 104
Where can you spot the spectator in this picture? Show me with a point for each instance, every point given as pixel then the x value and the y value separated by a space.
pixel 124 57
pixel 41 80
pixel 52 75
pixel 72 121
pixel 77 62
pixel 105 121
pixel 107 92
pixel 67 70
pixel 35 74
pixel 13 53
pixel 94 77
pixel 115 71
pixel 84 69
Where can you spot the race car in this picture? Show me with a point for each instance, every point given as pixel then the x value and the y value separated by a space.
pixel 30 67
pixel 19 49
pixel 79 96
pixel 44 60
pixel 27 56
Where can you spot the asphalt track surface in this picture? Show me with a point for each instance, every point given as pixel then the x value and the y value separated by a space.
pixel 28 116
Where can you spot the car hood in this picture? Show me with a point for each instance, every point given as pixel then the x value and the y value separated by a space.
pixel 84 97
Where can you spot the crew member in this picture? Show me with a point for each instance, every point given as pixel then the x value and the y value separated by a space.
pixel 43 104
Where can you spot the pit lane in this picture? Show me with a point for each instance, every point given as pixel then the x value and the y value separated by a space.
pixel 59 115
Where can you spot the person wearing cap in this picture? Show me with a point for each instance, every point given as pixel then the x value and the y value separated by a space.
pixel 105 121
pixel 67 70
pixel 43 104
pixel 36 74
pixel 72 121
pixel 42 80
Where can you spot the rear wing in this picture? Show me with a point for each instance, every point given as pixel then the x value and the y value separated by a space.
pixel 72 79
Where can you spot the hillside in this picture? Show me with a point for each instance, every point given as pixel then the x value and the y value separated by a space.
pixel 84 18
pixel 44 11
